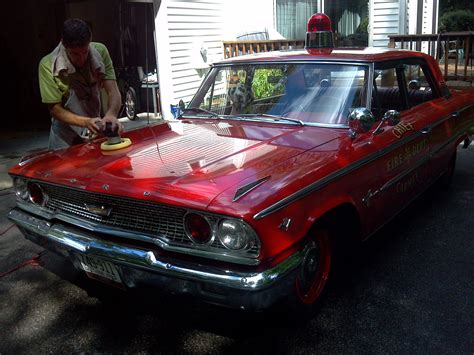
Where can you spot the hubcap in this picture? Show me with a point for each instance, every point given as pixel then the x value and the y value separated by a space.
pixel 310 267
pixel 315 269
pixel 130 105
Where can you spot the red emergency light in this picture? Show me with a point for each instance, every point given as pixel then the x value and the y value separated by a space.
pixel 319 33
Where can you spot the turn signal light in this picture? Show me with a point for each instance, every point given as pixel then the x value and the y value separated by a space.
pixel 197 228
pixel 36 193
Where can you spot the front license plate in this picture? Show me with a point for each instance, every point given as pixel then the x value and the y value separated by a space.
pixel 96 266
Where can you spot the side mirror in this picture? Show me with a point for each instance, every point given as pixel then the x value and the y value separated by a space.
pixel 392 117
pixel 361 120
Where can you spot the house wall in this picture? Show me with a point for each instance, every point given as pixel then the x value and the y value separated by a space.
pixel 182 29
pixel 430 16
pixel 422 16
pixel 238 19
pixel 386 17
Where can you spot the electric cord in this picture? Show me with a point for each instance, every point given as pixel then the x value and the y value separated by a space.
pixel 34 261
pixel 6 230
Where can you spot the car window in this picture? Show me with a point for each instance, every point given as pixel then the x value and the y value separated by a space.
pixel 312 93
pixel 418 87
pixel 400 87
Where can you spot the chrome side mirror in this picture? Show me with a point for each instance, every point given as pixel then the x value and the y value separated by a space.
pixel 361 120
pixel 392 117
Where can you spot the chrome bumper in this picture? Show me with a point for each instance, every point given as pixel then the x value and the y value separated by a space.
pixel 253 290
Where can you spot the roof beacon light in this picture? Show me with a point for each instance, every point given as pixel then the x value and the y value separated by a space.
pixel 319 33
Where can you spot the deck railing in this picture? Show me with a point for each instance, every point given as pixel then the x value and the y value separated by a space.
pixel 238 48
pixel 453 50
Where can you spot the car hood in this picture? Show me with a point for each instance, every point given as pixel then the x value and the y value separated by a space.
pixel 186 162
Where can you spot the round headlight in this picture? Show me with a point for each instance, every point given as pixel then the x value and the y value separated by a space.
pixel 233 234
pixel 21 188
pixel 36 193
pixel 197 228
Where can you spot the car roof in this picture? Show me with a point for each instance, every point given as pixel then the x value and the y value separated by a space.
pixel 368 54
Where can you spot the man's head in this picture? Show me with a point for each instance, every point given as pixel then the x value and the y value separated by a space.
pixel 76 36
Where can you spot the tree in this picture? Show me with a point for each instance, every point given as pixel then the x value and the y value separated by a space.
pixel 455 21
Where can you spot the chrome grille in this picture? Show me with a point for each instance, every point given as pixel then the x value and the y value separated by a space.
pixel 150 218
pixel 128 214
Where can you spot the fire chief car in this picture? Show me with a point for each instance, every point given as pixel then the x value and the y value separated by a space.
pixel 279 158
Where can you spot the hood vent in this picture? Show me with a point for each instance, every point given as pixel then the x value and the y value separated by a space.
pixel 244 190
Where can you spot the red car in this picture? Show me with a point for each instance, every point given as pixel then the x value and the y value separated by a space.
pixel 241 200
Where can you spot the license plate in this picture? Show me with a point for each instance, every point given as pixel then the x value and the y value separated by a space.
pixel 96 266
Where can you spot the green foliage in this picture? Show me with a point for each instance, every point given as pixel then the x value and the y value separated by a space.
pixel 455 21
pixel 261 85
pixel 362 28
pixel 451 5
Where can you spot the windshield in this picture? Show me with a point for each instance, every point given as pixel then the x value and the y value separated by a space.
pixel 295 93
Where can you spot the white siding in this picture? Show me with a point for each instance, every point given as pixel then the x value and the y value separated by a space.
pixel 386 17
pixel 181 28
pixel 430 18
pixel 425 22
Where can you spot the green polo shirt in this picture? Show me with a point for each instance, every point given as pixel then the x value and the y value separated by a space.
pixel 55 89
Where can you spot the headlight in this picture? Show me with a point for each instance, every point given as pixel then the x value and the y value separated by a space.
pixel 21 188
pixel 233 234
pixel 221 238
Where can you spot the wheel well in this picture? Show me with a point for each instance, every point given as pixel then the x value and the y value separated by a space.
pixel 344 226
pixel 343 222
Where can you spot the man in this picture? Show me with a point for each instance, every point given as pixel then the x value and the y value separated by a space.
pixel 70 80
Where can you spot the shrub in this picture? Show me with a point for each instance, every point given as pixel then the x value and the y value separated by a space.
pixel 455 21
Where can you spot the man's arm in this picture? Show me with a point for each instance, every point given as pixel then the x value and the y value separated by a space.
pixel 61 114
pixel 114 102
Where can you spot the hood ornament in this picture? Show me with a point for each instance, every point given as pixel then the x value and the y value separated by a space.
pixel 102 211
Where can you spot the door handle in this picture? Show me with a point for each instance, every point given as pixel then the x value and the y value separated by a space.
pixel 426 130
pixel 455 114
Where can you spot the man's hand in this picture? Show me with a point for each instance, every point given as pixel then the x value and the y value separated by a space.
pixel 94 124
pixel 116 125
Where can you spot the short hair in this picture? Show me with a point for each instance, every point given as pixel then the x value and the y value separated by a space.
pixel 75 33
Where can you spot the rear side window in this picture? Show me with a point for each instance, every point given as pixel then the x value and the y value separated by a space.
pixel 400 86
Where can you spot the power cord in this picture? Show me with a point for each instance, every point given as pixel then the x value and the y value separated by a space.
pixel 34 261
pixel 6 230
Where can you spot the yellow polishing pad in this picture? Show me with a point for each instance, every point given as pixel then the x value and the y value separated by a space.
pixel 123 144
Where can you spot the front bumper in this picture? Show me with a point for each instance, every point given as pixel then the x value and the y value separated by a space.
pixel 246 290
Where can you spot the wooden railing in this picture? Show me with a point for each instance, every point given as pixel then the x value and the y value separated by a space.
pixel 453 50
pixel 238 48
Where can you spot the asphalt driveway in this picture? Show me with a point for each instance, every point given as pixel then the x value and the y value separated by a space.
pixel 411 290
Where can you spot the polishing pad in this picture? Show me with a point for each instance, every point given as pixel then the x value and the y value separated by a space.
pixel 123 144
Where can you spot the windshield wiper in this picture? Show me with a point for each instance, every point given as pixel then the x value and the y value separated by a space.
pixel 199 110
pixel 274 117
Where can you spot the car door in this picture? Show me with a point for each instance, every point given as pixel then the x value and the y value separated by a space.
pixel 403 169
pixel 425 99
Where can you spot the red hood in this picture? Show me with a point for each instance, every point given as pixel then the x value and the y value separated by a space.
pixel 186 162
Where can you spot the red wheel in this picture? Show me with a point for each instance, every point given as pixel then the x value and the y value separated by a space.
pixel 315 269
